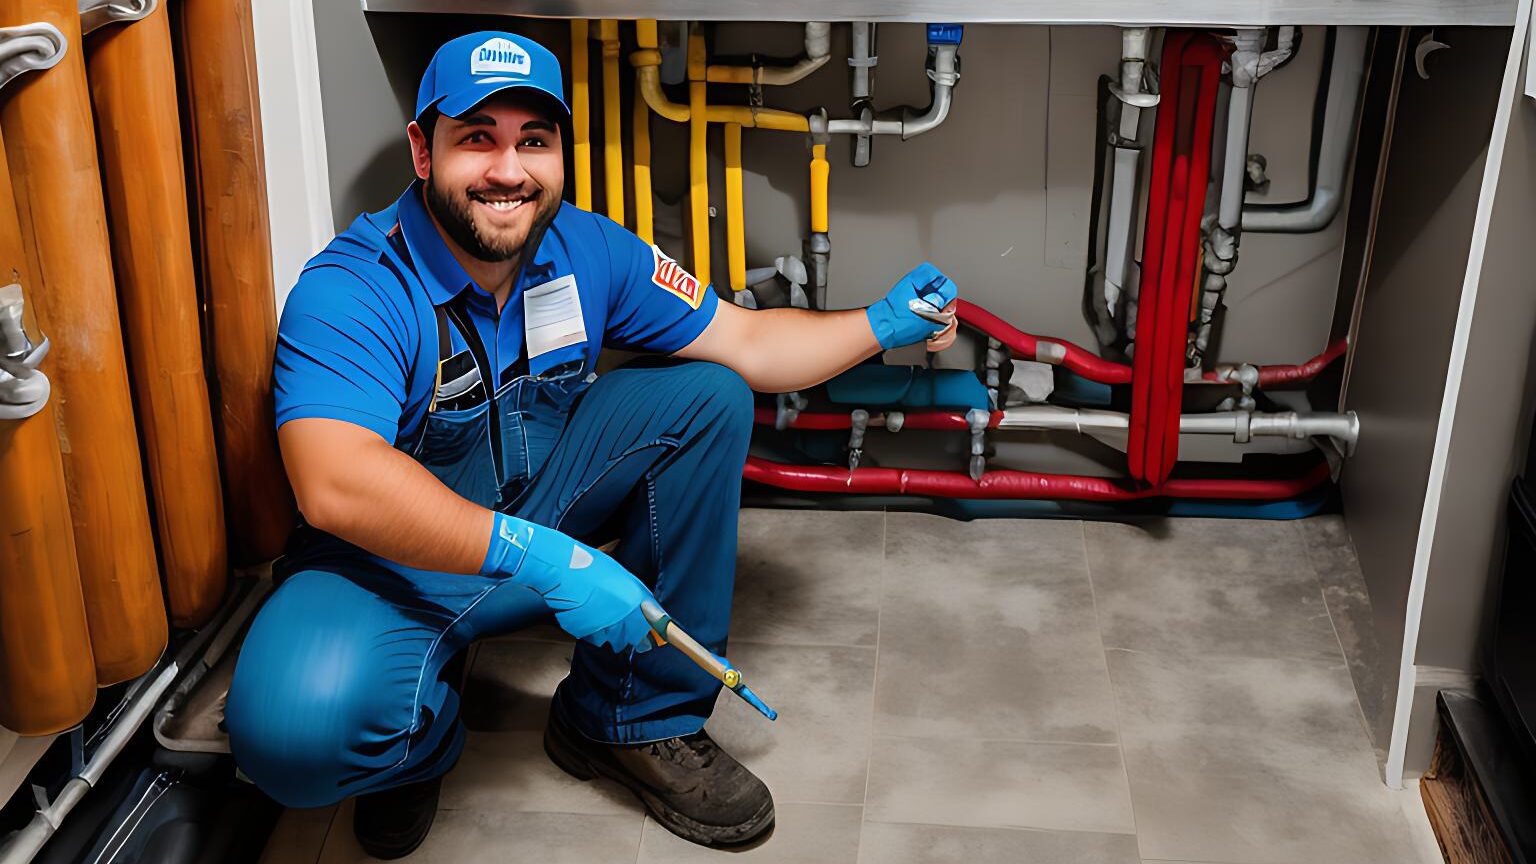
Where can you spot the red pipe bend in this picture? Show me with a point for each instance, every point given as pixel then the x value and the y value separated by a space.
pixel 1026 346
pixel 1017 484
pixel 1274 376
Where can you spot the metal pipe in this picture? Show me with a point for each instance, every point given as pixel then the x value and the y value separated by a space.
pixel 862 59
pixel 1243 426
pixel 818 49
pixel 1337 134
pixel 944 73
pixel 1126 167
pixel 22 846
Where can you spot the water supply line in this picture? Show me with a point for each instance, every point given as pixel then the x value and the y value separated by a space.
pixel 1336 137
pixel 640 170
pixel 943 72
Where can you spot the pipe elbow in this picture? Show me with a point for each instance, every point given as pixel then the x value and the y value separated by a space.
pixel 650 89
pixel 914 124
pixel 1314 214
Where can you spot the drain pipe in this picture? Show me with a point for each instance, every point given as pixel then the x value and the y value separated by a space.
pixel 1316 211
pixel 943 71
pixel 22 846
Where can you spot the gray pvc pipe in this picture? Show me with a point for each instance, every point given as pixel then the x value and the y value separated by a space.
pixel 1338 135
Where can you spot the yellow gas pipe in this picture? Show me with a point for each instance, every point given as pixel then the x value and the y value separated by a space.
pixel 820 170
pixel 613 132
pixel 698 156
pixel 642 172
pixel 581 120
pixel 735 220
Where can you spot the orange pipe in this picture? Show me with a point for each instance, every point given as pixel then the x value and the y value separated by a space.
pixel 51 146
pixel 47 676
pixel 236 262
pixel 133 88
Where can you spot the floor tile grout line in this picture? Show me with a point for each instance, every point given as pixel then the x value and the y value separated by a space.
pixel 1114 695
pixel 1354 687
pixel 645 823
pixel 869 755
pixel 994 739
pixel 1021 828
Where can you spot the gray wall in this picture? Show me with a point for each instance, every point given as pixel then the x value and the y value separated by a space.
pixel 1401 353
pixel 998 196
pixel 1491 428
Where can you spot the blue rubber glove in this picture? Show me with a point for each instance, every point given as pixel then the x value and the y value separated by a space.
pixel 593 597
pixel 899 318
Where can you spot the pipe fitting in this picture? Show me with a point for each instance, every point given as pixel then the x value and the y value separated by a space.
pixel 29 48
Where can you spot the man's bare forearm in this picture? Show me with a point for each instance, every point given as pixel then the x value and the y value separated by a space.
pixel 354 485
pixel 778 350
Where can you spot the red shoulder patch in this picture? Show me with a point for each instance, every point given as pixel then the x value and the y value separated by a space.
pixel 672 278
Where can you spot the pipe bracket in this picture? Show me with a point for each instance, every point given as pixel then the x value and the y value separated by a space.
pixel 95 14
pixel 29 48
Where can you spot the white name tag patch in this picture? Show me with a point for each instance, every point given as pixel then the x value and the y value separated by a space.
pixel 552 316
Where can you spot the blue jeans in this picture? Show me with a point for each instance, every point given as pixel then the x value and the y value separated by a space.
pixel 339 688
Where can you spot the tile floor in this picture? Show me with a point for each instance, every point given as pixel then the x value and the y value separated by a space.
pixel 1001 691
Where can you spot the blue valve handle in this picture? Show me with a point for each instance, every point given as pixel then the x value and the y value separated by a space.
pixel 664 630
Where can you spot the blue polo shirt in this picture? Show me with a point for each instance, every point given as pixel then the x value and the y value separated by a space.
pixel 358 339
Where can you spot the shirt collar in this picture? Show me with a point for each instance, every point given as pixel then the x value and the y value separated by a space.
pixel 442 274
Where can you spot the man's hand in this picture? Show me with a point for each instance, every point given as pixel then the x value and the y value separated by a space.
pixel 593 596
pixel 920 306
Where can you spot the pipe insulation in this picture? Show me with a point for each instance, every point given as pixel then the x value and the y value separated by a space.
pixel 1337 135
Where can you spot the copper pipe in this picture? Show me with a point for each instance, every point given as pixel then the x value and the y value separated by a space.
pixel 133 88
pixel 51 146
pixel 47 676
pixel 236 263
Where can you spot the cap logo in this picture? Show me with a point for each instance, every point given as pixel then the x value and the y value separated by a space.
pixel 500 56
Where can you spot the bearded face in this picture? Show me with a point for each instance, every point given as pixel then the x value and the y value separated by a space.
pixel 494 176
pixel 491 223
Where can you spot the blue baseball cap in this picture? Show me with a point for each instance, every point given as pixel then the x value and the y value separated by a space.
pixel 470 69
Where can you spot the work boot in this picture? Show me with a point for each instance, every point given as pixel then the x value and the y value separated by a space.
pixel 392 823
pixel 688 784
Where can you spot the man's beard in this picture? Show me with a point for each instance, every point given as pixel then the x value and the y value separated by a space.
pixel 455 213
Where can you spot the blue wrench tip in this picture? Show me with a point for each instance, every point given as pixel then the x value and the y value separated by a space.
pixel 746 693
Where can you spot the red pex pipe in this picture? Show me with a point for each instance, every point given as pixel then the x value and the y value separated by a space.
pixel 1017 484
pixel 1274 376
pixel 1024 345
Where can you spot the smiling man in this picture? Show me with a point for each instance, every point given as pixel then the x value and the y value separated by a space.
pixel 450 448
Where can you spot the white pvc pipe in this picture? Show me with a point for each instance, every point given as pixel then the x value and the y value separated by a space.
pixel 1338 135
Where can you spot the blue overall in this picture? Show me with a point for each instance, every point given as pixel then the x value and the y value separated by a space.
pixel 340 688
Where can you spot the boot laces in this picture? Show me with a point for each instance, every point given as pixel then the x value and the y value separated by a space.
pixel 693 751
